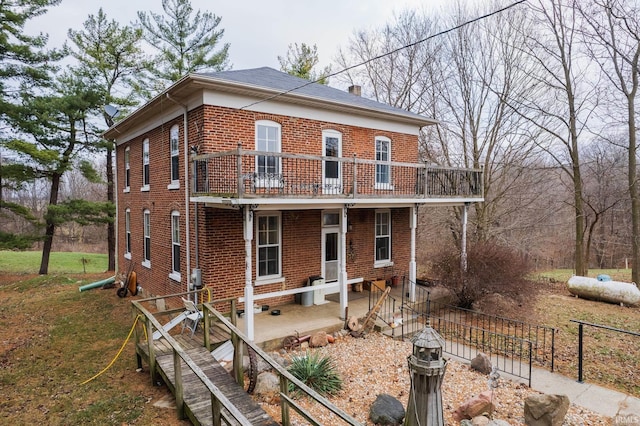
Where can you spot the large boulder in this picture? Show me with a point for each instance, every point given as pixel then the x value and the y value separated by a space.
pixel 386 411
pixel 475 406
pixel 545 410
pixel 481 363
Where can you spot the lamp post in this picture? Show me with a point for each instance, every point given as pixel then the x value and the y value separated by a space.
pixel 426 367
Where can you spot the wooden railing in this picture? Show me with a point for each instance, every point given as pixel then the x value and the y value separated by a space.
pixel 239 340
pixel 250 174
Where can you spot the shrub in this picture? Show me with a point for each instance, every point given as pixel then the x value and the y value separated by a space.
pixel 491 268
pixel 317 372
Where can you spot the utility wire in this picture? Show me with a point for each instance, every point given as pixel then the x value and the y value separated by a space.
pixel 441 33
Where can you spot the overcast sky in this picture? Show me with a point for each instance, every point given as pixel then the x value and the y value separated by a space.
pixel 258 30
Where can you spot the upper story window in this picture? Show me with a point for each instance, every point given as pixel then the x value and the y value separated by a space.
pixel 175 246
pixel 331 170
pixel 145 165
pixel 174 141
pixel 146 242
pixel 383 237
pixel 127 230
pixel 127 170
pixel 268 140
pixel 383 165
pixel 268 246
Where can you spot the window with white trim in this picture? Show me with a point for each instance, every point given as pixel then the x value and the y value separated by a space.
pixel 146 242
pixel 174 141
pixel 383 237
pixel 268 246
pixel 383 163
pixel 127 170
pixel 127 232
pixel 268 167
pixel 145 165
pixel 175 245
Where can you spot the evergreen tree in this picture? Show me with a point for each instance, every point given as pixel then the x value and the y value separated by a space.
pixel 300 61
pixel 23 59
pixel 111 55
pixel 58 135
pixel 186 42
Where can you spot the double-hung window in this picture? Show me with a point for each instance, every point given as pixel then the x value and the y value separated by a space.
pixel 383 237
pixel 127 170
pixel 175 246
pixel 145 165
pixel 127 230
pixel 146 242
pixel 268 167
pixel 268 246
pixel 174 142
pixel 383 163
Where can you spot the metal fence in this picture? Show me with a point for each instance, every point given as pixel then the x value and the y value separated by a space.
pixel 239 173
pixel 513 346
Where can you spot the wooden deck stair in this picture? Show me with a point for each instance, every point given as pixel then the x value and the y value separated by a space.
pixel 196 396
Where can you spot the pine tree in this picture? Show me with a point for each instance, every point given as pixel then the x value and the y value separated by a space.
pixel 300 61
pixel 185 41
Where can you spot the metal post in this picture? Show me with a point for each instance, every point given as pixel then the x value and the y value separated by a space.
pixel 580 330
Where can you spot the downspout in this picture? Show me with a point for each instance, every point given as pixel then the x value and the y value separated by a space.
pixel 117 216
pixel 186 186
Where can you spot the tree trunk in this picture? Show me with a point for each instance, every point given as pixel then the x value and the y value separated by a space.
pixel 51 227
pixel 633 192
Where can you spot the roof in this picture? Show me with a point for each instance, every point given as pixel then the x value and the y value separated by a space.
pixel 267 84
pixel 283 82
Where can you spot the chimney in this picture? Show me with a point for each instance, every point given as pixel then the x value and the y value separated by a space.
pixel 355 90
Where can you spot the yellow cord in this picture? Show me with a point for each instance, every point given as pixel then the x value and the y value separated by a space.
pixel 119 352
pixel 208 293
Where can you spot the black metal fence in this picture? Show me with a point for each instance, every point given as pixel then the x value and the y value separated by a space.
pixel 513 346
pixel 613 353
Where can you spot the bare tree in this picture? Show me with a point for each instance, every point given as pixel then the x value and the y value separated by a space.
pixel 613 41
pixel 561 97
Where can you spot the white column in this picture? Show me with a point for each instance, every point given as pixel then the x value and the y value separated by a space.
pixel 413 223
pixel 248 282
pixel 463 239
pixel 342 276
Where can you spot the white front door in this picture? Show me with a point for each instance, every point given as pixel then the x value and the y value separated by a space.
pixel 331 247
pixel 331 170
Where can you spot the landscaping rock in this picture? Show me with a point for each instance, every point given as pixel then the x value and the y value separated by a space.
pixel 481 363
pixel 475 406
pixel 386 411
pixel 267 384
pixel 545 410
pixel 318 340
pixel 480 421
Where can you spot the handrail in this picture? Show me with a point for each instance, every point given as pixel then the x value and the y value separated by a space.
pixel 285 375
pixel 217 395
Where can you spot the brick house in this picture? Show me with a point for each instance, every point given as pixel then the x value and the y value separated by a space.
pixel 275 180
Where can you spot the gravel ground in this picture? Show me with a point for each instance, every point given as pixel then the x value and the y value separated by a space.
pixel 377 364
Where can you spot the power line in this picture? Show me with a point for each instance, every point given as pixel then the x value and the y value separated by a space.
pixel 441 33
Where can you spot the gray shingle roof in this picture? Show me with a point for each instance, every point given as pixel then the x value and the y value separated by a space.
pixel 270 78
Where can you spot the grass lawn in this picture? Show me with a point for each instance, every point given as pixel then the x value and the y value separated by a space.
pixel 28 262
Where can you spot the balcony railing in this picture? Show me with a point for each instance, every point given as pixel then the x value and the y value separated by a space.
pixel 255 174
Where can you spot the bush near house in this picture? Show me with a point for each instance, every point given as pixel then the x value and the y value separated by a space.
pixel 491 268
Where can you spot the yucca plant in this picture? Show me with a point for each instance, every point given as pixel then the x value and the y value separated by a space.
pixel 316 371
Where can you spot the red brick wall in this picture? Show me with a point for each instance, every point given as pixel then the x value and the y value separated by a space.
pixel 220 236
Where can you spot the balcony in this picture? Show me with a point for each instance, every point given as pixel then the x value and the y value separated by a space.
pixel 244 174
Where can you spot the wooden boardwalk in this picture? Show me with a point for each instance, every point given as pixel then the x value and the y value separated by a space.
pixel 197 398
